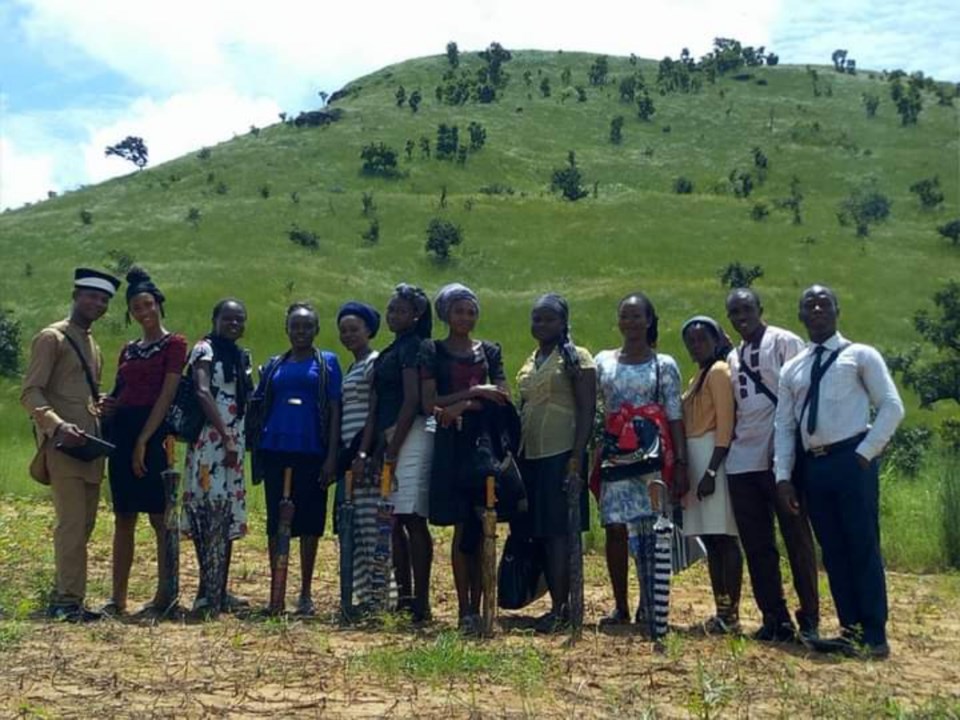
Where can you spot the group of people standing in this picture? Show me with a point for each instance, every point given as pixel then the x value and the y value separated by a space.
pixel 769 428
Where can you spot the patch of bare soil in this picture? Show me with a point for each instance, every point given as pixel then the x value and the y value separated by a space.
pixel 247 667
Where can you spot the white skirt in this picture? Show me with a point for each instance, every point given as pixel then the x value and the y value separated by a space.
pixel 714 514
pixel 412 474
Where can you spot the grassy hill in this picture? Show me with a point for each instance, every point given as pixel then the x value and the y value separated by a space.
pixel 635 232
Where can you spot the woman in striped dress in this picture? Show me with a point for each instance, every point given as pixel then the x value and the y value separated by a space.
pixel 358 324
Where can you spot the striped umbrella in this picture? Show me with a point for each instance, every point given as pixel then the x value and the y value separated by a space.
pixel 171 523
pixel 345 523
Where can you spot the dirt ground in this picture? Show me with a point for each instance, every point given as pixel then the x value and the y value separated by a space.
pixel 247 667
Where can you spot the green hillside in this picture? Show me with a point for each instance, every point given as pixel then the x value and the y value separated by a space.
pixel 634 233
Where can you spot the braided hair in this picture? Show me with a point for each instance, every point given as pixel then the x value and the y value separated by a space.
pixel 568 351
pixel 421 305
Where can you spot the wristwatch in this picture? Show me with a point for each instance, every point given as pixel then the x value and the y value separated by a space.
pixel 712 473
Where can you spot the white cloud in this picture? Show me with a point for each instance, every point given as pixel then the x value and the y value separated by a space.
pixel 24 176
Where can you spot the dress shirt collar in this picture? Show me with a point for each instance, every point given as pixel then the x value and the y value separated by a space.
pixel 831 343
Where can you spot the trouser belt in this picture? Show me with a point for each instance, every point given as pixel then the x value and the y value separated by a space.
pixel 829 449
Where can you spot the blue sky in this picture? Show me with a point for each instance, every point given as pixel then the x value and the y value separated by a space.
pixel 77 75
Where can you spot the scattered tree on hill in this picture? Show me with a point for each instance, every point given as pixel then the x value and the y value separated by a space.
pixel 628 89
pixel 194 216
pixel 324 96
pixel 741 183
pixel 864 207
pixel 401 96
pixel 908 102
pixel 773 59
pixel 11 338
pixel 870 103
pixel 759 212
pixel 378 159
pixel 792 201
pixel 408 149
pixel 131 148
pixel 414 100
pixel 424 147
pixel 447 141
pixel 951 231
pixel 727 56
pixel 442 236
pixel 453 54
pixel 597 75
pixel 616 130
pixel 645 107
pixel 753 57
pixel 462 155
pixel 478 136
pixel 86 217
pixel 928 191
pixel 119 261
pixel 545 87
pixel 934 372
pixel 568 180
pixel 372 233
pixel 566 77
pixel 369 207
pixel 944 95
pixel 683 186
pixel 581 93
pixel 678 75
pixel 839 58
pixel 738 275
pixel 303 238
pixel 761 163
pixel 495 56
pixel 265 191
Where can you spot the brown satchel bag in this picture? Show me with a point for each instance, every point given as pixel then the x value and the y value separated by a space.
pixel 38 466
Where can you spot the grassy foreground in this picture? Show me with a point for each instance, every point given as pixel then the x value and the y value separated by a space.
pixel 243 667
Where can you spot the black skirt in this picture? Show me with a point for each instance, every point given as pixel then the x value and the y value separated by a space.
pixel 130 493
pixel 308 495
pixel 547 498
pixel 450 503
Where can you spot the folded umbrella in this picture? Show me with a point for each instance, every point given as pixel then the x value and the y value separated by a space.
pixel 346 513
pixel 382 549
pixel 281 547
pixel 171 523
pixel 488 610
pixel 575 547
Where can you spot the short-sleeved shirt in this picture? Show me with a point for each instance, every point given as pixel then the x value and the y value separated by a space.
pixel 356 397
pixel 548 408
pixel 142 368
pixel 712 406
pixel 752 446
pixel 293 422
pixel 637 384
pixel 454 372
pixel 402 354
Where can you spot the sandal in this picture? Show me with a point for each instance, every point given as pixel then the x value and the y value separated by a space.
pixel 112 609
pixel 716 625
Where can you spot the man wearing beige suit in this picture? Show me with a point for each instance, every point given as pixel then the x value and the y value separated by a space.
pixel 60 393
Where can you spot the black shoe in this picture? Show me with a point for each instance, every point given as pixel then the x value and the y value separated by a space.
pixel 840 645
pixel 880 651
pixel 808 629
pixel 782 632
pixel 73 614
pixel 615 617
pixel 552 623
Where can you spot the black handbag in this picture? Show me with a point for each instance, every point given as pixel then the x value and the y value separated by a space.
pixel 617 463
pixel 185 418
pixel 520 578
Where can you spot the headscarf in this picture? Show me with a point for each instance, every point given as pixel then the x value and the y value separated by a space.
pixel 365 312
pixel 233 358
pixel 566 348
pixel 421 305
pixel 723 343
pixel 450 294
pixel 138 281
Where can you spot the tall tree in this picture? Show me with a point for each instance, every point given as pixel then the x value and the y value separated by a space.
pixel 131 148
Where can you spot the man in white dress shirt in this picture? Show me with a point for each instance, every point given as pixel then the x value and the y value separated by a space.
pixel 755 372
pixel 827 392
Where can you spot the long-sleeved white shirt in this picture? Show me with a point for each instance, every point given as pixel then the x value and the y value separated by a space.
pixel 857 380
pixel 752 446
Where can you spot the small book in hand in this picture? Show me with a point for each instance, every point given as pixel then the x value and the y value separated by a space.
pixel 92 449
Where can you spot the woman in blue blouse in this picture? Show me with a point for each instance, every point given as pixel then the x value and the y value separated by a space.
pixel 300 391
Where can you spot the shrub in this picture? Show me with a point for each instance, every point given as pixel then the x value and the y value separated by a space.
pixel 951 231
pixel 741 183
pixel 453 54
pixel 221 188
pixel 414 100
pixel 581 93
pixel 204 154
pixel 616 130
pixel 448 140
pixel 369 207
pixel 928 191
pixel 496 189
pixel 738 275
pixel 193 217
pixel 378 159
pixel 598 71
pixel 907 449
pixel 119 262
pixel 950 434
pixel 442 235
pixel 870 104
pixel 303 238
pixel 950 500
pixel 86 217
pixel 130 148
pixel 478 136
pixel 372 233
pixel 401 96
pixel 568 180
pixel 759 212
pixel 645 107
pixel 264 191
pixel 545 87
pixel 683 186
pixel 865 206
pixel 10 344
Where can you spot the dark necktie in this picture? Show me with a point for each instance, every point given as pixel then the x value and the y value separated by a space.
pixel 816 374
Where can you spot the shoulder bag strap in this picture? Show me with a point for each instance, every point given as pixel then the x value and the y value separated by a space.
pixel 755 377
pixel 94 389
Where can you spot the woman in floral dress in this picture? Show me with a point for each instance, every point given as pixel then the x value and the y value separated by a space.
pixel 214 497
